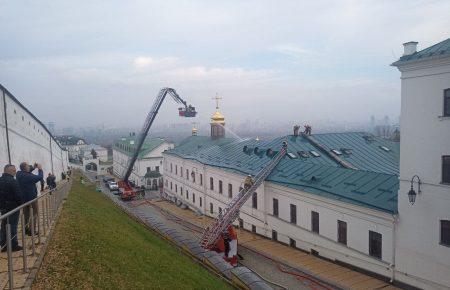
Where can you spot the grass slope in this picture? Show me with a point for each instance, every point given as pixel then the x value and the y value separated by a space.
pixel 95 245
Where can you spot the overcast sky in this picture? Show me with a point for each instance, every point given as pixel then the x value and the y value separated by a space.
pixel 83 63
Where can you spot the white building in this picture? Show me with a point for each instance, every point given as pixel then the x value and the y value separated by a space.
pixel 148 167
pixel 73 145
pixel 23 137
pixel 310 201
pixel 102 152
pixel 422 255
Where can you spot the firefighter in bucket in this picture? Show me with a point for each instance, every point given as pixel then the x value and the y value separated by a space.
pixel 248 182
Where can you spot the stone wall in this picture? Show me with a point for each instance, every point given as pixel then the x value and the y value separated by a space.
pixel 23 137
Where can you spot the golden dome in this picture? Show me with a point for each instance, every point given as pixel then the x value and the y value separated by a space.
pixel 217 117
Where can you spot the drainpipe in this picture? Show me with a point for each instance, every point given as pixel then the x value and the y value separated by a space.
pixel 266 208
pixel 51 154
pixel 204 190
pixel 6 128
pixel 62 160
pixel 394 243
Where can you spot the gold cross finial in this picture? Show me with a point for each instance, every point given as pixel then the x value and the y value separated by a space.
pixel 217 98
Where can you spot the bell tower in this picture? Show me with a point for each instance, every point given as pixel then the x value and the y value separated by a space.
pixel 217 121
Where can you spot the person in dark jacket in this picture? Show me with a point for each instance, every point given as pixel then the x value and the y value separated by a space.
pixel 27 182
pixel 10 198
pixel 51 181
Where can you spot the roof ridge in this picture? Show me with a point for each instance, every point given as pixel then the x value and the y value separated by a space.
pixel 437 50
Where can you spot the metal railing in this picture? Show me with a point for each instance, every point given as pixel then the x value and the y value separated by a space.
pixel 40 212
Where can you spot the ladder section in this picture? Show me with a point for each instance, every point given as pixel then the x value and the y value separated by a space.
pixel 143 134
pixel 231 212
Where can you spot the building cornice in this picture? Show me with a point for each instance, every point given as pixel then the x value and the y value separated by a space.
pixel 423 63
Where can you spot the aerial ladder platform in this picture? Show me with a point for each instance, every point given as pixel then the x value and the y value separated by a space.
pixel 213 232
pixel 126 190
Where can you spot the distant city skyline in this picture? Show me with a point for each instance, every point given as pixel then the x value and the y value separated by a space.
pixel 379 125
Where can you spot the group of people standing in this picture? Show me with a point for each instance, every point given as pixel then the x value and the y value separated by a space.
pixel 17 188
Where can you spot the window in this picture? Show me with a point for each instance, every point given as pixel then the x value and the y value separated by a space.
pixel 337 152
pixel 446 169
pixel 193 197
pixel 149 169
pixel 342 232
pixel 171 185
pixel 181 190
pixel 293 211
pixel 157 168
pixel 303 154
pixel 211 183
pixel 220 210
pixel 241 223
pixel 201 201
pixel 445 232
pixel 291 155
pixel 171 168
pixel 275 207
pixel 201 179
pixel 187 174
pixel 230 190
pixel 220 187
pixel 315 222
pixel 274 235
pixel 181 171
pixel 176 169
pixel 255 200
pixel 385 148
pixel 375 244
pixel 187 194
pixel 211 208
pixel 447 103
pixel 176 188
pixel 193 176
pixel 253 229
pixel 292 243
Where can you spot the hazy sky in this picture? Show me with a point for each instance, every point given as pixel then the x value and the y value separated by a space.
pixel 82 63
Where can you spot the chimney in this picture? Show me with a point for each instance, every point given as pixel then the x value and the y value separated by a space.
pixel 410 48
pixel 296 128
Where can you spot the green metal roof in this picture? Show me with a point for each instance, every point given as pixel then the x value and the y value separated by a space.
pixel 374 184
pixel 366 151
pixel 127 145
pixel 441 49
pixel 364 188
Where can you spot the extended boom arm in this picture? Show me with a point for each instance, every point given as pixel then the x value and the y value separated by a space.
pixel 189 111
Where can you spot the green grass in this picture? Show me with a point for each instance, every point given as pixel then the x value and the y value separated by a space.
pixel 96 245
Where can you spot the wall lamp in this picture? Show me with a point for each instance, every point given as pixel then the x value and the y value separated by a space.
pixel 412 193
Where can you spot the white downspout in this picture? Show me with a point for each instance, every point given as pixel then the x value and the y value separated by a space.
pixel 394 243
